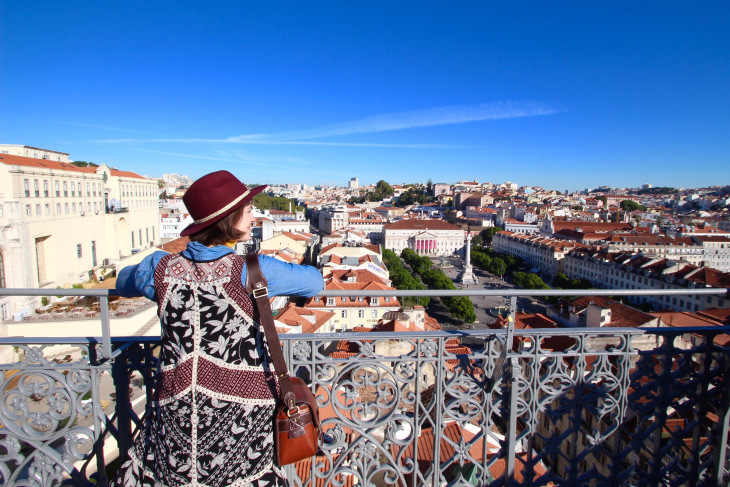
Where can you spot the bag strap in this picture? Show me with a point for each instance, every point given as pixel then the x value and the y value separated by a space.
pixel 256 284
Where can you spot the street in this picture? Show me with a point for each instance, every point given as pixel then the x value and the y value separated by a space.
pixel 453 268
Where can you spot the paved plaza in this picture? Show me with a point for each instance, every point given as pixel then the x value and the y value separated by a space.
pixel 453 268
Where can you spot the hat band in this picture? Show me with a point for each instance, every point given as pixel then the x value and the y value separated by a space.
pixel 224 209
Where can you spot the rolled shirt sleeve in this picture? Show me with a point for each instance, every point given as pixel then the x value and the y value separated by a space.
pixel 285 279
pixel 139 280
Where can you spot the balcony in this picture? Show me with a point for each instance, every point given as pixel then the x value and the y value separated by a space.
pixel 561 406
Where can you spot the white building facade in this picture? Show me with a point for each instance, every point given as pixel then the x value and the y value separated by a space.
pixel 425 237
pixel 59 221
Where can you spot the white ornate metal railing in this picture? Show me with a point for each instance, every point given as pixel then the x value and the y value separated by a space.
pixel 570 406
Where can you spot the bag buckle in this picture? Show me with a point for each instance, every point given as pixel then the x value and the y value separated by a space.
pixel 260 292
pixel 290 412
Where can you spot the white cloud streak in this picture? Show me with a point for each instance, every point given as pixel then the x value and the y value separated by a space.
pixel 429 117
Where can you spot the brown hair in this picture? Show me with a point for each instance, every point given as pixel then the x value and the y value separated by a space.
pixel 222 231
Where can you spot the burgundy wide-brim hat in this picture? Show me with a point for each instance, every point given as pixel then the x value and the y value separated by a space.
pixel 214 197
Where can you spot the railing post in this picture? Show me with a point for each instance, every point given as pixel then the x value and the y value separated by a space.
pixel 722 438
pixel 105 327
pixel 514 376
pixel 120 375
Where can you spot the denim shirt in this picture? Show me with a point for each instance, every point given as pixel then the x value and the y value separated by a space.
pixel 283 278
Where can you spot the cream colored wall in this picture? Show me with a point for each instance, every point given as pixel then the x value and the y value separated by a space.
pixel 61 232
pixel 281 242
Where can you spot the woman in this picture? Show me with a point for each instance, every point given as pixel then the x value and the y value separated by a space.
pixel 212 418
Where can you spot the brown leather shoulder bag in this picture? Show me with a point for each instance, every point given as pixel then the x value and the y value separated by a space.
pixel 297 433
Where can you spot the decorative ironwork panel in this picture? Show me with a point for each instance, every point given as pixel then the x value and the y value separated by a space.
pixel 529 407
pixel 51 413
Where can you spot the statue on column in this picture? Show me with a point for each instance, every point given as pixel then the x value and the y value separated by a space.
pixel 468 277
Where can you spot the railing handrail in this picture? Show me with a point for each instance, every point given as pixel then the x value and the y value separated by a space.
pixel 104 294
pixel 508 292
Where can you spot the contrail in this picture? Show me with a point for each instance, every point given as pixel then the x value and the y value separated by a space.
pixel 428 117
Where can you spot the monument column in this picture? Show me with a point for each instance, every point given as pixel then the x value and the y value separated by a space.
pixel 467 277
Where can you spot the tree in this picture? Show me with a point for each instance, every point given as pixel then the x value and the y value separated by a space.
pixel 602 198
pixel 488 234
pixel 383 188
pixel 264 201
pixel 429 187
pixel 84 164
pixel 630 205
pixel 498 267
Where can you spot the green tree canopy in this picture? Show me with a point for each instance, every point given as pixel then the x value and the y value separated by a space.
pixel 631 205
pixel 264 201
pixel 488 234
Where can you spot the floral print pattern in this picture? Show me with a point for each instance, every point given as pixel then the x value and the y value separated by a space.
pixel 211 421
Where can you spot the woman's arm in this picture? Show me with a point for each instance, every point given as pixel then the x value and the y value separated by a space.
pixel 289 279
pixel 139 280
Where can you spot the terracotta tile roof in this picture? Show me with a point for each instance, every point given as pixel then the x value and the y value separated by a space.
pixel 525 321
pixel 593 227
pixel 710 276
pixel 309 320
pixel 455 434
pixel 681 319
pixel 621 315
pixel 304 469
pixel 13 160
pixel 125 174
pixel 360 275
pixel 175 246
pixel 719 314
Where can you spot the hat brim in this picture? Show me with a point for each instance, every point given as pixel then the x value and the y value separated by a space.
pixel 197 227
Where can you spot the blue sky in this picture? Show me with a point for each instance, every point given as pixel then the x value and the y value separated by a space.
pixel 565 95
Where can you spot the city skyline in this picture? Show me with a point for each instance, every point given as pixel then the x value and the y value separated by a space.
pixel 572 97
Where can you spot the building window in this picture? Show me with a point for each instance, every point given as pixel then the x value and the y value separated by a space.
pixel 65 189
pixel 37 188
pixel 2 271
pixel 132 238
pixel 65 207
pixel 27 210
pixel 26 187
pixel 45 188
pixel 48 209
pixel 38 210
pixel 344 313
pixel 88 189
pixel 58 188
pixel 58 208
pixel 78 251
pixel 361 314
pixel 374 313
pixel 330 301
pixel 79 189
pixel 373 301
pixel 73 207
